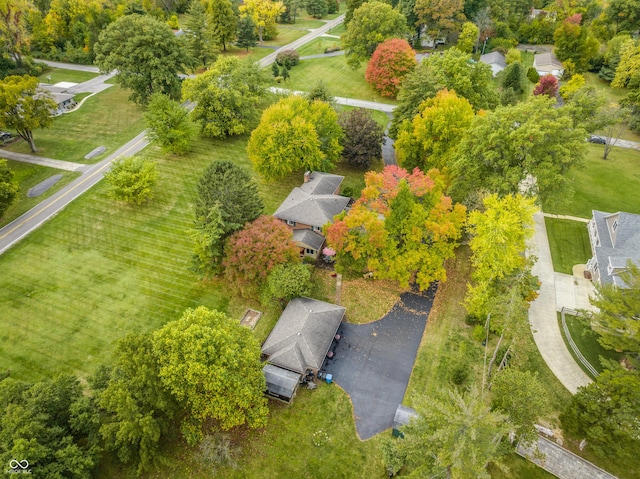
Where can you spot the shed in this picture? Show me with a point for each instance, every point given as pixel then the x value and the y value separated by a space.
pixel 281 383
pixel 495 60
pixel 402 417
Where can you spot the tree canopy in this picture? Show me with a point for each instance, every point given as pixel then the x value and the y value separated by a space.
pixel 263 13
pixel 363 137
pixel 131 179
pixel 390 63
pixel 8 187
pixel 169 124
pixel 574 42
pixel 440 17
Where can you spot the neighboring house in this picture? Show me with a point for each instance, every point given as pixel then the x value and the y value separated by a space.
pixel 311 206
pixel 547 63
pixel 298 344
pixel 615 240
pixel 542 14
pixel 495 60
pixel 61 96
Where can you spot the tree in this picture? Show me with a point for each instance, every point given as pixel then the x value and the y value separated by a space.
pixel 498 240
pixel 522 397
pixel 363 137
pixel 262 12
pixel 24 107
pixel 169 124
pixel 224 22
pixel 612 121
pixel 254 251
pixel 246 35
pixel 548 86
pixel 513 55
pixel 617 317
pixel 440 17
pixel 131 179
pixel 513 77
pixel 226 96
pixel 455 435
pixel 13 27
pixel 352 6
pixel 146 54
pixel 211 365
pixel 532 75
pixel 573 42
pixel 468 39
pixel 585 105
pixel 285 282
pixel 504 147
pixel 606 412
pixel 138 412
pixel 390 63
pixel 199 35
pixel 625 14
pixel 372 23
pixel 8 187
pixel 402 228
pixel 628 70
pixel 320 92
pixel 317 8
pixel 431 139
pixel 295 134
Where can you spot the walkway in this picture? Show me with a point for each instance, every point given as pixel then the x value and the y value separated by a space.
pixel 373 362
pixel 42 161
pixel 560 462
pixel 543 315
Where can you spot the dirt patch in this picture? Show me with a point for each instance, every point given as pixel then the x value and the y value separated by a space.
pixel 250 318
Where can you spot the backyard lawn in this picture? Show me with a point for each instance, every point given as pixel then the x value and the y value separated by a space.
pixel 569 243
pixel 56 75
pixel 318 46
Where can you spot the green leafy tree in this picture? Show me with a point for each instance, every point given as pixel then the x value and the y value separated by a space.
pixel 146 54
pixel 389 65
pixel 372 23
pixel 285 282
pixel 131 180
pixel 199 34
pixel 455 435
pixel 532 75
pixel 402 228
pixel 263 13
pixel 294 134
pixel 9 188
pixel 573 42
pixel 227 199
pixel 606 412
pixel 504 147
pixel 211 365
pixel 513 77
pixel 246 36
pixel 317 8
pixel 431 139
pixel 226 96
pixel 440 17
pixel 586 107
pixel 352 6
pixel 513 55
pixel 320 91
pixel 468 39
pixel 624 14
pixel 137 411
pixel 363 137
pixel 13 27
pixel 254 251
pixel 628 70
pixel 24 107
pixel 224 23
pixel 169 124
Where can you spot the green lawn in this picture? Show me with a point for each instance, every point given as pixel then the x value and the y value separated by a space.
pixel 107 119
pixel 341 79
pixel 286 35
pixel 380 117
pixel 606 185
pixel 60 74
pixel 569 243
pixel 318 46
pixel 27 176
pixel 339 30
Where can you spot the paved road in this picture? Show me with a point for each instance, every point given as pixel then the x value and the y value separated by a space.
pixel 543 315
pixel 42 161
pixel 32 219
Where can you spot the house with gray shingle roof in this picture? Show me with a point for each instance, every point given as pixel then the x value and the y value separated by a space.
pixel 615 240
pixel 311 206
pixel 495 60
pixel 547 63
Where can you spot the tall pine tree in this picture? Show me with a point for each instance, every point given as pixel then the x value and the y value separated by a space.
pixel 246 37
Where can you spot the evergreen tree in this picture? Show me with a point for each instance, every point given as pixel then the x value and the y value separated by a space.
pixel 246 36
pixel 224 22
pixel 198 34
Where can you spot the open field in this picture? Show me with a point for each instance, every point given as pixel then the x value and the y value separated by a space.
pixel 56 75
pixel 27 176
pixel 606 185
pixel 318 46
pixel 106 119
pixel 569 243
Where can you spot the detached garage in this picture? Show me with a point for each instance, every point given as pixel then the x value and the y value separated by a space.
pixel 281 383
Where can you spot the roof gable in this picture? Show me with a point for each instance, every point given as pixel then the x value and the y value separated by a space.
pixel 311 209
pixel 619 236
pixel 496 58
pixel 547 60
pixel 320 183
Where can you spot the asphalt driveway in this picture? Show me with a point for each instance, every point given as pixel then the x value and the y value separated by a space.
pixel 373 362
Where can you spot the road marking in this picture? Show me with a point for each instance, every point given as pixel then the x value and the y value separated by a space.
pixel 66 193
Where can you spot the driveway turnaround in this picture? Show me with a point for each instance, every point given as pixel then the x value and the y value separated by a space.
pixel 373 362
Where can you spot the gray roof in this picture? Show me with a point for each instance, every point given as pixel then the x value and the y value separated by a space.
pixel 60 98
pixel 303 334
pixel 322 183
pixel 495 58
pixel 547 60
pixel 311 209
pixel 616 246
pixel 308 239
pixel 280 381
pixel 403 415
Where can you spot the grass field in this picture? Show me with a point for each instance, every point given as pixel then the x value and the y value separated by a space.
pixel 56 75
pixel 107 119
pixel 318 46
pixel 337 75
pixel 606 185
pixel 569 243
pixel 27 176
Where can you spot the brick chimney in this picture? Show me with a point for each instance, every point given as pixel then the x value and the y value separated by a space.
pixel 307 176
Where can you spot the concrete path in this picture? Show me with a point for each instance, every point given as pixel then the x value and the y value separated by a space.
pixel 373 362
pixel 560 462
pixel 42 161
pixel 543 315
pixel 95 85
pixel 627 144
pixel 388 148
pixel 339 53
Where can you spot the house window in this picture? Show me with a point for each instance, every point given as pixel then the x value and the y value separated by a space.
pixel 310 251
pixel 316 228
pixel 615 225
pixel 291 223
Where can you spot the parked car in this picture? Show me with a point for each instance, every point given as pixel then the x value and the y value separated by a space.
pixel 597 139
pixel 5 137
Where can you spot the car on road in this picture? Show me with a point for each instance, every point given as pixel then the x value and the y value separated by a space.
pixel 597 139
pixel 5 137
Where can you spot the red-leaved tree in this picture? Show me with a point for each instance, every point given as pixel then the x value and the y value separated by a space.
pixel 548 85
pixel 251 253
pixel 390 63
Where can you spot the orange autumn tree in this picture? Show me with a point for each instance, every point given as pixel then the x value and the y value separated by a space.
pixel 390 63
pixel 402 228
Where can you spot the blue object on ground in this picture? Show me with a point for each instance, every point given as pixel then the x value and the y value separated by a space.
pixel 329 378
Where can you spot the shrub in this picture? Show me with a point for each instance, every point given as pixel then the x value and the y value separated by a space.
pixel 548 85
pixel 533 75
pixel 288 58
pixel 332 49
pixel 130 179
